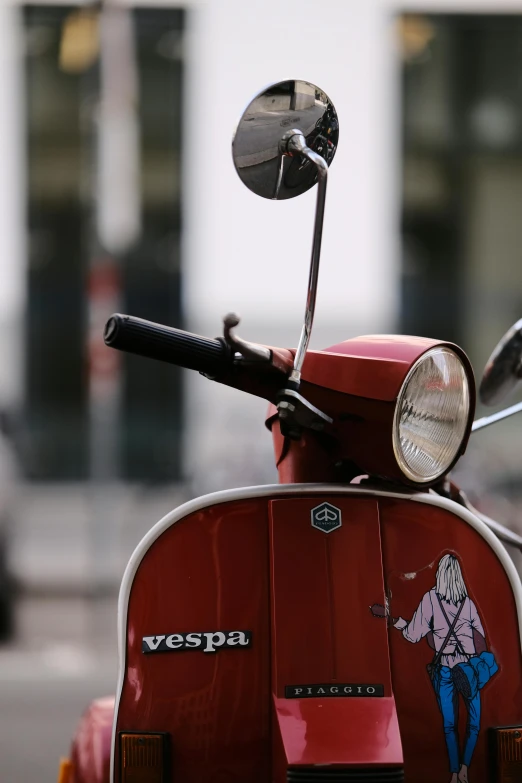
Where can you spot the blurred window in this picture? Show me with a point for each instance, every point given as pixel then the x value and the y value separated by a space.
pixel 462 177
pixel 152 397
pixel 56 391
pixel 62 95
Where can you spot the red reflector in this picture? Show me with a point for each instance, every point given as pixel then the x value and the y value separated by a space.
pixel 143 757
pixel 507 754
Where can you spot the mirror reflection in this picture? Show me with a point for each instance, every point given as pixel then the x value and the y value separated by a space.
pixel 256 147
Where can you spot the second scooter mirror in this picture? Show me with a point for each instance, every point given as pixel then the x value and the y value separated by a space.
pixel 503 371
pixel 266 144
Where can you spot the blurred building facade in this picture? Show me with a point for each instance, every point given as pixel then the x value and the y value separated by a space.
pixel 461 228
pixel 422 232
pixel 196 66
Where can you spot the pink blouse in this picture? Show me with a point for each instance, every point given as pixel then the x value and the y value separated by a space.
pixel 428 617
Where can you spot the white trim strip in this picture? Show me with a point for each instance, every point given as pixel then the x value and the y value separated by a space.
pixel 277 490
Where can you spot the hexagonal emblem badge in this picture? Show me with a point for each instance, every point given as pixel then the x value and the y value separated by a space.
pixel 326 517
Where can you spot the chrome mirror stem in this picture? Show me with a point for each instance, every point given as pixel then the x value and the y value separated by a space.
pixel 280 171
pixel 503 372
pixel 479 424
pixel 297 144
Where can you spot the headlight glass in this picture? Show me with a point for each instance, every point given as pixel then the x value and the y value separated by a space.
pixel 431 415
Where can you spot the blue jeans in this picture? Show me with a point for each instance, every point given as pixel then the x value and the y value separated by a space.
pixel 448 701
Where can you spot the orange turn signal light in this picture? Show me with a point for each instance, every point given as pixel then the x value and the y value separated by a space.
pixel 506 751
pixel 65 773
pixel 143 757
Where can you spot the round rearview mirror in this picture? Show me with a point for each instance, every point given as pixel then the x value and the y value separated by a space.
pixel 262 158
pixel 504 368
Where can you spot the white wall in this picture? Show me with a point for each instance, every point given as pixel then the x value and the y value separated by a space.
pixel 250 254
pixel 12 209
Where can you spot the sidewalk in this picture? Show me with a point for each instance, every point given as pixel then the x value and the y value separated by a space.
pixel 70 538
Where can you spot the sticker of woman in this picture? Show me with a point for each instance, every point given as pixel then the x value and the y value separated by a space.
pixel 449 619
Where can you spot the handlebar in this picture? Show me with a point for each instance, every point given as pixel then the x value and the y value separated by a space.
pixel 166 344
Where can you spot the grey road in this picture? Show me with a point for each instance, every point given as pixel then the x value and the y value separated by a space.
pixel 64 655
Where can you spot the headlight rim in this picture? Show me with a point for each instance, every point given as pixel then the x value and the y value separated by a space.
pixel 403 466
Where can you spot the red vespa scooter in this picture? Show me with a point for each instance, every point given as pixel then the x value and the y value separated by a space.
pixel 358 621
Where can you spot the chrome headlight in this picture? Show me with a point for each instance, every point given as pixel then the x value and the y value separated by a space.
pixel 431 415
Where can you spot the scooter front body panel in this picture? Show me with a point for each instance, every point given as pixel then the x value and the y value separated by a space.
pixel 246 635
pixel 416 536
pixel 207 573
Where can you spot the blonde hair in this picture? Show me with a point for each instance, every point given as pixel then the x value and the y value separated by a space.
pixel 450 582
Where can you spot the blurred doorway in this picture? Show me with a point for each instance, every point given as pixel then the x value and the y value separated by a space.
pixel 62 112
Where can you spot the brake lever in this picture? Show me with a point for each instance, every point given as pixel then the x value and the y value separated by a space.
pixel 295 412
pixel 249 351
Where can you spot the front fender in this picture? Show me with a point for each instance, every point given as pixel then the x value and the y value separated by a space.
pixel 91 748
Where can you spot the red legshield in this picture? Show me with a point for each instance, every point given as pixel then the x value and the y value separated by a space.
pixel 273 702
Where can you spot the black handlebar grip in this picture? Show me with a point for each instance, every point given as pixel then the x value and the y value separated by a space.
pixel 155 341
